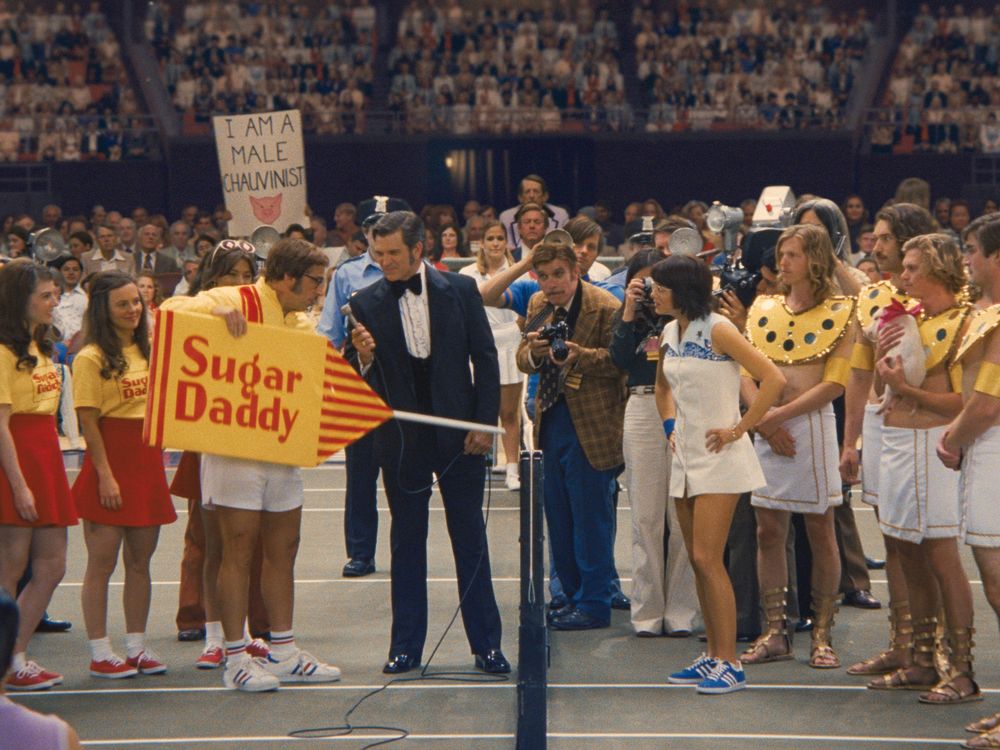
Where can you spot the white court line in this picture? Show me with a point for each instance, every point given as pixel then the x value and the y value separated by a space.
pixel 284 738
pixel 431 684
pixel 368 579
pixel 553 735
pixel 762 736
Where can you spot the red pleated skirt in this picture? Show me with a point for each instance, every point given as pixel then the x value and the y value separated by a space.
pixel 187 478
pixel 137 468
pixel 37 444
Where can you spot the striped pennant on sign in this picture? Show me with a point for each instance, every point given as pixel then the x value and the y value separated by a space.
pixel 351 409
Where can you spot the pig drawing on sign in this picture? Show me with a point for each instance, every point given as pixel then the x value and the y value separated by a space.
pixel 267 208
pixel 909 349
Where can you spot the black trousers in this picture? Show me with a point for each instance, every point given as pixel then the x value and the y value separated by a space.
pixel 408 489
pixel 360 502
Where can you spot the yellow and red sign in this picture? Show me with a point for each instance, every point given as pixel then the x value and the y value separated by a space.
pixel 274 394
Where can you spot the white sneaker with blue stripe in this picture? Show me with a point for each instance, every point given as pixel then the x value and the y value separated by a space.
pixel 700 669
pixel 249 675
pixel 727 677
pixel 300 667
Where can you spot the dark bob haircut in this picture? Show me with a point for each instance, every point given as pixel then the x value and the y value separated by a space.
pixel 690 282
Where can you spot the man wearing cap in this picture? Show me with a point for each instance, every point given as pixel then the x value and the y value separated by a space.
pixel 532 189
pixel 360 512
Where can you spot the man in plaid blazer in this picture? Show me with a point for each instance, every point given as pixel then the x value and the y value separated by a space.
pixel 579 415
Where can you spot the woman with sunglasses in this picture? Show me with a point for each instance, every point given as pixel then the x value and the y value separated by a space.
pixel 121 491
pixel 231 263
pixel 35 501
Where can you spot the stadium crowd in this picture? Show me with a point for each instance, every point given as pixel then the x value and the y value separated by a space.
pixel 943 93
pixel 229 58
pixel 66 95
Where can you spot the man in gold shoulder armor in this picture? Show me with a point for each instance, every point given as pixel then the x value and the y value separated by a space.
pixel 972 441
pixel 918 498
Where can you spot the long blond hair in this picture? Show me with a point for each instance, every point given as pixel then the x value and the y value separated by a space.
pixel 482 263
pixel 819 253
pixel 941 259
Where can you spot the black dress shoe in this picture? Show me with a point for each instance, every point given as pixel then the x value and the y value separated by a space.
pixel 357 568
pixel 577 619
pixel 191 634
pixel 493 662
pixel 558 602
pixel 401 663
pixel 620 601
pixel 873 564
pixel 804 625
pixel 561 612
pixel 862 599
pixel 48 625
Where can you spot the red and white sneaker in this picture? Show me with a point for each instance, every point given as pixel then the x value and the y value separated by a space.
pixel 258 649
pixel 147 663
pixel 112 669
pixel 32 677
pixel 211 658
pixel 58 678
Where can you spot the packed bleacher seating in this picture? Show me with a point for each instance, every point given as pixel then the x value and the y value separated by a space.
pixel 64 93
pixel 943 93
pixel 746 65
pixel 227 58
pixel 500 69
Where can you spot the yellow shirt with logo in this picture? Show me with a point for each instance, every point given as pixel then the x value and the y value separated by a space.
pixel 123 397
pixel 34 391
pixel 258 302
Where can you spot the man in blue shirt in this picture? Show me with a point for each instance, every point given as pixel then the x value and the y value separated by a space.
pixel 360 511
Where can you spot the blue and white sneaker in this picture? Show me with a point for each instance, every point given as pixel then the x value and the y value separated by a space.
pixel 300 667
pixel 700 668
pixel 727 677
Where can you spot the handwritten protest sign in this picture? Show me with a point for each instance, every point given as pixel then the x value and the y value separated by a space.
pixel 274 394
pixel 263 169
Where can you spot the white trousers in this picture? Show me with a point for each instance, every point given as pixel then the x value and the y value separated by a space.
pixel 663 591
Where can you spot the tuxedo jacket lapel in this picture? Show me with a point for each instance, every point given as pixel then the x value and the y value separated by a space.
pixel 390 335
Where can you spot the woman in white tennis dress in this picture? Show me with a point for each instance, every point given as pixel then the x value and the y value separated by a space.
pixel 698 396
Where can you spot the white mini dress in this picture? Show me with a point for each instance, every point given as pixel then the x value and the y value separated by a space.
pixel 706 392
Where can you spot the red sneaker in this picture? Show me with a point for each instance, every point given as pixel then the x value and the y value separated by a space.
pixel 112 669
pixel 147 663
pixel 58 678
pixel 31 677
pixel 211 658
pixel 258 649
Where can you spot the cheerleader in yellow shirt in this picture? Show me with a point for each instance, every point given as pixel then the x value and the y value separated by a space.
pixel 35 502
pixel 121 492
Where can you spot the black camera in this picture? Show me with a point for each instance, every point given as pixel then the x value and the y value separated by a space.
pixel 556 334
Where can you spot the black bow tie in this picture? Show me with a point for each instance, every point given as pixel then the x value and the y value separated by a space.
pixel 413 284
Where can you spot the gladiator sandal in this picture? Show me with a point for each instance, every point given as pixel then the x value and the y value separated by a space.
pixel 768 647
pixel 921 673
pixel 822 655
pixel 942 661
pixel 900 652
pixel 959 686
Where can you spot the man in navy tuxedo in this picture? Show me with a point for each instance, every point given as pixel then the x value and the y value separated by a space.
pixel 418 331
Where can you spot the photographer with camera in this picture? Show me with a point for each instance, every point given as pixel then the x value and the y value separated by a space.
pixel 663 590
pixel 578 425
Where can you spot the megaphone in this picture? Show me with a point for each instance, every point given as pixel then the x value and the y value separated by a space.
pixel 263 239
pixel 47 245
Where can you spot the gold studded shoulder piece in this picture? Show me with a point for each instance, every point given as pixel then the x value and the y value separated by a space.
pixel 939 334
pixel 788 338
pixel 983 322
pixel 873 297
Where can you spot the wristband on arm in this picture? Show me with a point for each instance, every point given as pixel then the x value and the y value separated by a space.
pixel 668 427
